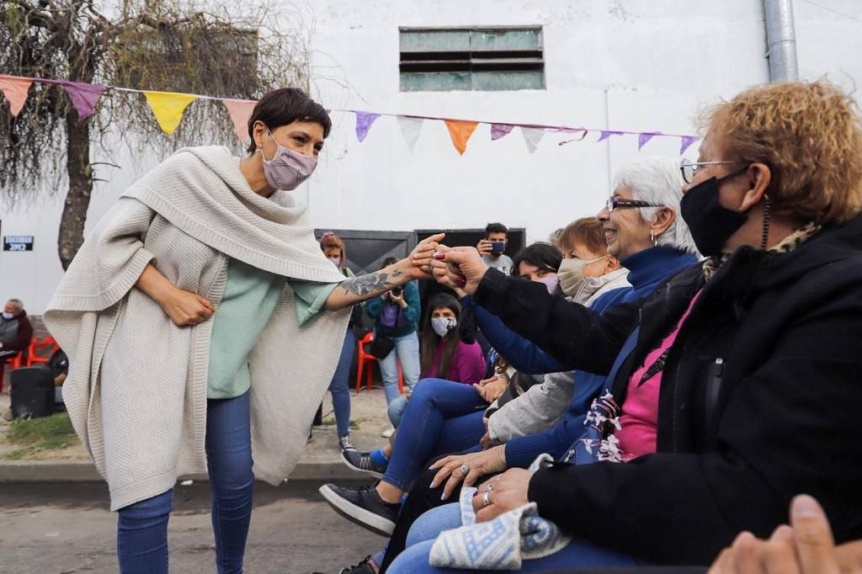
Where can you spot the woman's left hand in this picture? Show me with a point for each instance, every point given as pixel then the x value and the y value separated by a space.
pixel 421 259
pixel 505 492
pixel 477 464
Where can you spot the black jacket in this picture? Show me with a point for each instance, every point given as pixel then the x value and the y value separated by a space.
pixel 761 399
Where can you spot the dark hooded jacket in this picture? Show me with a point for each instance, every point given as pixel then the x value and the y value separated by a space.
pixel 15 333
pixel 760 399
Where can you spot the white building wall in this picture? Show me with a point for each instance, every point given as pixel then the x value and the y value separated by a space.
pixel 617 64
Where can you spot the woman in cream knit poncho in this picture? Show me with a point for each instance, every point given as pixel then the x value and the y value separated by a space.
pixel 191 317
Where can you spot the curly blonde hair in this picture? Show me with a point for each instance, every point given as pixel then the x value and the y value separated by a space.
pixel 809 134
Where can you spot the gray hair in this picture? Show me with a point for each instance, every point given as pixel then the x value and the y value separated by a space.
pixel 658 180
pixel 19 306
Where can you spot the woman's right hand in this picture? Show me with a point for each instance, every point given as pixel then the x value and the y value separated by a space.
pixel 185 308
pixel 460 267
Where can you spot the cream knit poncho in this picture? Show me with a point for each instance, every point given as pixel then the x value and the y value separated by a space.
pixel 137 385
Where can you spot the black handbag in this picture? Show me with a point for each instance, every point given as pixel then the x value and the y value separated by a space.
pixel 381 346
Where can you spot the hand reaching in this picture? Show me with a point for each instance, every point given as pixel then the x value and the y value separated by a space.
pixel 422 256
pixel 460 267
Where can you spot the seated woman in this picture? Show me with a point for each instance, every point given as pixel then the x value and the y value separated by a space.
pixel 444 353
pixel 442 416
pixel 759 345
pixel 653 242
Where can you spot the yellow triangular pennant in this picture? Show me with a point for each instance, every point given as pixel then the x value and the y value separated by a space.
pixel 168 107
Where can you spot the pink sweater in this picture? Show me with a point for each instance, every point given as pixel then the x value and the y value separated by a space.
pixel 639 418
pixel 468 365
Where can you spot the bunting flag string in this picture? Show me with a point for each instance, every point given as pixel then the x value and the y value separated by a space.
pixel 169 107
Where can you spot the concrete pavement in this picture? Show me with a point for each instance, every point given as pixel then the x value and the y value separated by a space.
pixel 321 460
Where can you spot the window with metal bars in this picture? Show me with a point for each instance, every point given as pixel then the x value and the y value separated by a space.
pixel 480 59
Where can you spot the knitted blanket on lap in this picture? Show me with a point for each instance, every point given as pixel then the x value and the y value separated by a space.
pixel 499 544
pixel 137 384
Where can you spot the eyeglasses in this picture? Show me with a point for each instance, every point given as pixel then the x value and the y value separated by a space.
pixel 689 168
pixel 619 203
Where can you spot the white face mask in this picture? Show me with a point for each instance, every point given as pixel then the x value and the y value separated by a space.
pixel 336 260
pixel 8 316
pixel 442 325
pixel 571 274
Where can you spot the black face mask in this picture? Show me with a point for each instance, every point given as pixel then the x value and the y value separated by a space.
pixel 711 224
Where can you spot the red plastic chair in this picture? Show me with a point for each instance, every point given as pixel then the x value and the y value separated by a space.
pixel 364 365
pixel 33 356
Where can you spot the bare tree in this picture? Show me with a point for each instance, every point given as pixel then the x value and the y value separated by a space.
pixel 164 45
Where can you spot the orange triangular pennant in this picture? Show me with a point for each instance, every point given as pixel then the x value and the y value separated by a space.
pixel 15 89
pixel 460 132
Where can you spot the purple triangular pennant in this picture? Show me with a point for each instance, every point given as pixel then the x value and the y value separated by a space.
pixel 606 134
pixel 83 96
pixel 500 130
pixel 644 137
pixel 685 143
pixel 363 124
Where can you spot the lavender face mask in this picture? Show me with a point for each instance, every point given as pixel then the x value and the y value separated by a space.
pixel 287 168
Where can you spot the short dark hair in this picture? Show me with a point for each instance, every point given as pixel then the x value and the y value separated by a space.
pixel 543 255
pixel 284 106
pixel 495 228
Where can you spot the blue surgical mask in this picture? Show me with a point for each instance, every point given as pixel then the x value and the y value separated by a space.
pixel 8 316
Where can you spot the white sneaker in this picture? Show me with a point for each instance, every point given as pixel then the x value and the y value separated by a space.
pixel 388 433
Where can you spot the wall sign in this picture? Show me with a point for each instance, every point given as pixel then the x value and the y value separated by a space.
pixel 18 243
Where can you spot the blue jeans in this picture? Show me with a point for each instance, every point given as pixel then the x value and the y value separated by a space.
pixel 578 553
pixel 406 351
pixel 442 417
pixel 142 529
pixel 340 384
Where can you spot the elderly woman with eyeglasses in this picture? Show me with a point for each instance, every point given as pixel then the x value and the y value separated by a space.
pixel 752 356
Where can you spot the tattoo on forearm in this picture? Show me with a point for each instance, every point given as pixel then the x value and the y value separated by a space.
pixel 371 284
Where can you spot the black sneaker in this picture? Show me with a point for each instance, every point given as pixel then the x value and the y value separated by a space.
pixel 361 462
pixel 362 506
pixel 363 567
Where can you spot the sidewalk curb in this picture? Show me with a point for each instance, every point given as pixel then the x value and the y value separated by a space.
pixel 85 471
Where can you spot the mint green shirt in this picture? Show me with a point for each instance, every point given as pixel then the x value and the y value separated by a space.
pixel 250 297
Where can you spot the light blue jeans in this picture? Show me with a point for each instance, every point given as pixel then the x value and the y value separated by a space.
pixel 578 553
pixel 406 351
